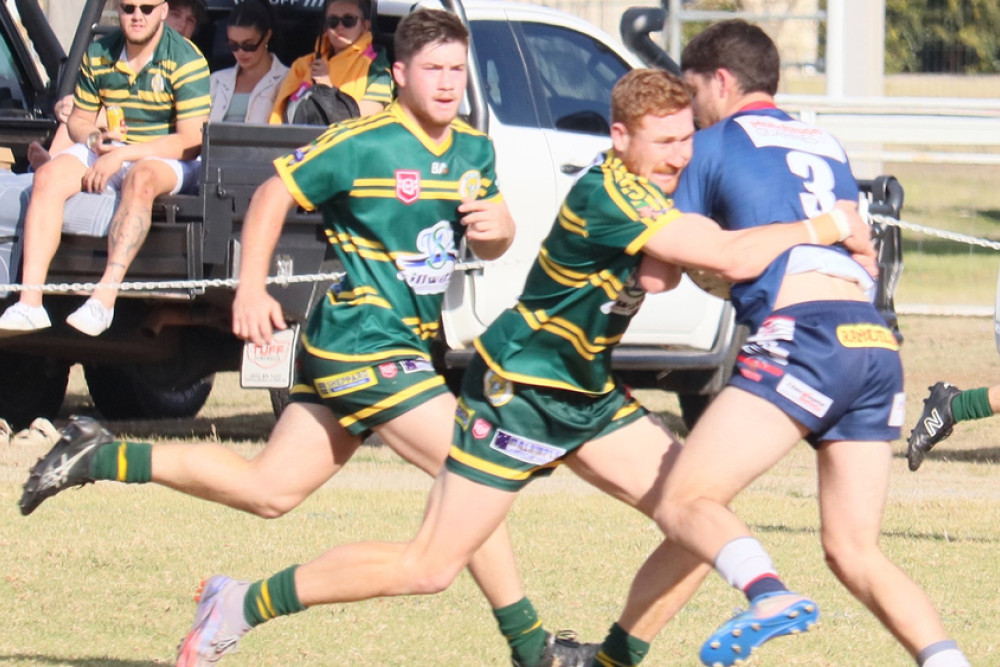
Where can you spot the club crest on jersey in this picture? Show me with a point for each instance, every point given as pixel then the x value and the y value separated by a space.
pixel 497 390
pixel 481 429
pixel 388 370
pixel 407 185
pixel 463 414
pixel 469 184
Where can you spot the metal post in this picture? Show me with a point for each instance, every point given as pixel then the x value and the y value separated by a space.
pixel 675 25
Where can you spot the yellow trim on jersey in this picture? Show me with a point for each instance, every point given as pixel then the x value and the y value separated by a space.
pixel 494 469
pixel 377 356
pixel 571 222
pixel 434 148
pixel 363 295
pixel 537 381
pixel 568 331
pixel 604 279
pixel 624 411
pixel 391 401
pixel 358 244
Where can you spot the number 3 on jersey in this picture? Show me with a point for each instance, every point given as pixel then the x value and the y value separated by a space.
pixel 817 179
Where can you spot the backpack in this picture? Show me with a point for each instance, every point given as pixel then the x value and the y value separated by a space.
pixel 321 105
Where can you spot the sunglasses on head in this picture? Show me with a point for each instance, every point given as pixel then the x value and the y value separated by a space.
pixel 349 21
pixel 145 9
pixel 248 47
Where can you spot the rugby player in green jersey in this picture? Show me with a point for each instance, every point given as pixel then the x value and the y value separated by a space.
pixel 398 191
pixel 540 392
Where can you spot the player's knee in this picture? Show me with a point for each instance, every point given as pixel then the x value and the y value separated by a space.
pixel 142 181
pixel 428 576
pixel 846 558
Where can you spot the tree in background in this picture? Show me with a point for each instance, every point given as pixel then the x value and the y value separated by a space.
pixel 956 36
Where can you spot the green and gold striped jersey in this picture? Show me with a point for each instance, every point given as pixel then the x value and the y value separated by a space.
pixel 581 291
pixel 389 198
pixel 172 86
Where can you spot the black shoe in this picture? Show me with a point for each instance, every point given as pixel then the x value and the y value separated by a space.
pixel 934 425
pixel 67 463
pixel 562 650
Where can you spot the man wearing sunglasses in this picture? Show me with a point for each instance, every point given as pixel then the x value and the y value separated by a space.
pixel 160 81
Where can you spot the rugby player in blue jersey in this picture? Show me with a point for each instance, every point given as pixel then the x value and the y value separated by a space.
pixel 820 365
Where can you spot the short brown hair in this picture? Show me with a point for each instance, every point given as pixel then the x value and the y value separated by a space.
pixel 647 91
pixel 427 26
pixel 740 47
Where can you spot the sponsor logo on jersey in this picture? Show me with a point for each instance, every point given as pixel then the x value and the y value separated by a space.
pixel 481 429
pixel 407 185
pixel 804 396
pixel 429 270
pixel 469 184
pixel 524 449
pixel 463 414
pixel 416 365
pixel 497 390
pixel 388 369
pixel 628 301
pixel 345 383
pixel 766 131
pixel 866 335
pixel 439 168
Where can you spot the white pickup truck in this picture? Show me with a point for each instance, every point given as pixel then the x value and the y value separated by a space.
pixel 540 84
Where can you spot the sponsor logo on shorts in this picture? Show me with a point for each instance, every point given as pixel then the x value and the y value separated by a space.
pixel 898 413
pixel 750 364
pixel 866 335
pixel 463 414
pixel 407 185
pixel 388 370
pixel 345 383
pixel 497 390
pixel 416 365
pixel 524 449
pixel 481 429
pixel 774 328
pixel 804 396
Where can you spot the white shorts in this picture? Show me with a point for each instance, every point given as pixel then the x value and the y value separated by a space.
pixel 186 171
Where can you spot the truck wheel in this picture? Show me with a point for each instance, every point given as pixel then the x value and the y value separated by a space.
pixel 692 405
pixel 145 392
pixel 32 387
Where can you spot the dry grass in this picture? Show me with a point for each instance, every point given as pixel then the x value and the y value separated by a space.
pixel 103 576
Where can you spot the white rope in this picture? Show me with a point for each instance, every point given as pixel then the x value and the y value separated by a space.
pixel 152 286
pixel 940 233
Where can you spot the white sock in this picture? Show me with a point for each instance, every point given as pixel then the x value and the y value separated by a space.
pixel 942 654
pixel 742 561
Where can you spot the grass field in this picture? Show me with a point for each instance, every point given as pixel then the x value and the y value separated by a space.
pixel 104 576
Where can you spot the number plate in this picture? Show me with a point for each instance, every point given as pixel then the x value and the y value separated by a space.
pixel 269 366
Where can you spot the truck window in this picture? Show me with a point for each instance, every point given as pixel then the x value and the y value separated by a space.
pixel 502 71
pixel 576 73
pixel 11 82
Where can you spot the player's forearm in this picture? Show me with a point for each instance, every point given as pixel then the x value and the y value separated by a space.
pixel 262 227
pixel 745 254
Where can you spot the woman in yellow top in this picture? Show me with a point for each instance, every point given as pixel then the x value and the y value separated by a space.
pixel 345 58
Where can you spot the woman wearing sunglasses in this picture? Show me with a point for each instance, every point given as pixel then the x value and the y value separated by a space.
pixel 344 58
pixel 245 92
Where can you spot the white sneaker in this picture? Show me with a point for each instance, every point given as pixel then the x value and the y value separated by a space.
pixel 20 317
pixel 92 318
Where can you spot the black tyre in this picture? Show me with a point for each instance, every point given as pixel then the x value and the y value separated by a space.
pixel 148 391
pixel 32 387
